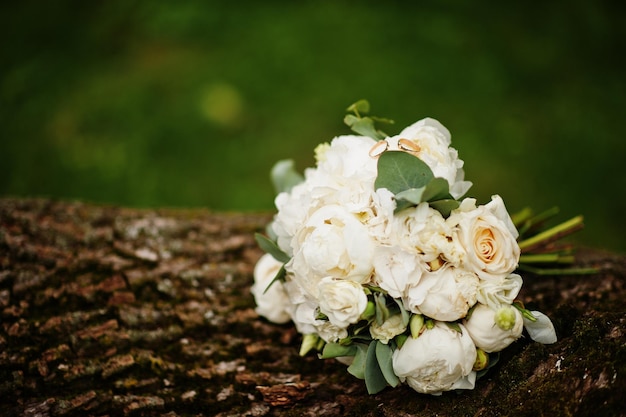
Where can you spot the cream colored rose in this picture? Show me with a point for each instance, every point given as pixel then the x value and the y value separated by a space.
pixel 274 303
pixel 390 328
pixel 489 238
pixel 440 359
pixel 486 333
pixel 342 301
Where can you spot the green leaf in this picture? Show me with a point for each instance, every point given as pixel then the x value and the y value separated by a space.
pixel 401 171
pixel 284 176
pixel 384 357
pixel 382 312
pixel 361 106
pixel 445 207
pixel 454 326
pixel 405 314
pixel 335 350
pixel 280 277
pixel 270 247
pixel 374 379
pixel 364 126
pixel 412 195
pixel 357 368
pixel 437 189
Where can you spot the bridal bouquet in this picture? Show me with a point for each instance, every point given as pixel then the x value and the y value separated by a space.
pixel 380 261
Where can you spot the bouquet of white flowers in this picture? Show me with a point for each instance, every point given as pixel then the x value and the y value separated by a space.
pixel 381 262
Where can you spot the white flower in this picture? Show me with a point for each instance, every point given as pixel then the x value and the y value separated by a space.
pixel 541 330
pixel 396 270
pixel 330 332
pixel 342 301
pixel 430 141
pixel 440 359
pixel 390 328
pixel 425 231
pixel 274 303
pixel 333 243
pixel 445 294
pixel 488 236
pixel 495 293
pixel 486 333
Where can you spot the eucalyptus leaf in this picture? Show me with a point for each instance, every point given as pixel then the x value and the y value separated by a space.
pixel 270 247
pixel 436 189
pixel 357 368
pixel 364 126
pixel 401 171
pixel 382 312
pixel 412 195
pixel 445 207
pixel 374 379
pixel 335 350
pixel 279 277
pixel 284 176
pixel 384 358
pixel 361 106
pixel 405 314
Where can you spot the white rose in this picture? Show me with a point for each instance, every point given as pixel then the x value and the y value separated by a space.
pixel 486 334
pixel 332 243
pixel 396 270
pixel 440 359
pixel 495 293
pixel 390 328
pixel 330 332
pixel 431 143
pixel 488 236
pixel 274 303
pixel 342 301
pixel 445 294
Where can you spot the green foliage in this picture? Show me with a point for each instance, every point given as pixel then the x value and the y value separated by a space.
pixel 413 182
pixel 173 104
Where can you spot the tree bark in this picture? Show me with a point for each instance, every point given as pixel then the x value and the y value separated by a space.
pixel 114 311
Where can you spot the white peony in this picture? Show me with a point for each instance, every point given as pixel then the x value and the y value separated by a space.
pixel 430 141
pixel 342 301
pixel 273 304
pixel 440 359
pixel 396 270
pixel 445 294
pixel 390 328
pixel 333 242
pixel 486 333
pixel 424 230
pixel 488 236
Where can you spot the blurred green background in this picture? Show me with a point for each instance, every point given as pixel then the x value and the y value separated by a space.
pixel 189 104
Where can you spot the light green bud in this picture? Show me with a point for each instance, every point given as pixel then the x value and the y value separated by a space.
pixel 309 342
pixel 416 324
pixel 505 317
pixel 482 360
pixel 369 312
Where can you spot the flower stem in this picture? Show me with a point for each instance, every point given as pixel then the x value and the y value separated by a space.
pixel 552 234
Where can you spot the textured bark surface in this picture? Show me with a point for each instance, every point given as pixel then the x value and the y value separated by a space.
pixel 111 311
